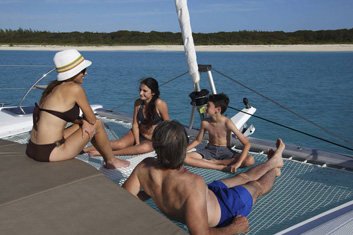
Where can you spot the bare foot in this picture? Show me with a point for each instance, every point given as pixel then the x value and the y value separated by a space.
pixel 116 163
pixel 93 153
pixel 280 145
pixel 270 154
pixel 277 155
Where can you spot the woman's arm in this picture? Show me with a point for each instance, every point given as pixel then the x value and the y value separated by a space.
pixel 81 100
pixel 162 109
pixel 135 122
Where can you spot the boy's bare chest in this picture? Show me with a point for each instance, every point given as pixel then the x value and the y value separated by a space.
pixel 217 129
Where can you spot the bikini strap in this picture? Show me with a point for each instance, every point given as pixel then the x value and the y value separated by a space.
pixel 55 113
pixel 35 116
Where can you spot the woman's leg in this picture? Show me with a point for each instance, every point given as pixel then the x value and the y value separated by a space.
pixel 75 143
pixel 70 130
pixel 143 147
pixel 101 142
pixel 124 142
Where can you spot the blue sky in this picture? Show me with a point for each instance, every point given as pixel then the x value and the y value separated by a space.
pixel 160 15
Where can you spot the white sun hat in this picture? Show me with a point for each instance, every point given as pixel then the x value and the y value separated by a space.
pixel 69 63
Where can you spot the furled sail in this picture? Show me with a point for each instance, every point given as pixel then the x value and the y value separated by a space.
pixel 184 22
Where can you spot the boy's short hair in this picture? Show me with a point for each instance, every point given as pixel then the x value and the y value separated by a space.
pixel 170 140
pixel 219 100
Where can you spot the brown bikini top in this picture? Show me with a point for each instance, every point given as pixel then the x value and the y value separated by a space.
pixel 69 116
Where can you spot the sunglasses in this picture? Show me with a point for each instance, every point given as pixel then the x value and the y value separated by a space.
pixel 83 71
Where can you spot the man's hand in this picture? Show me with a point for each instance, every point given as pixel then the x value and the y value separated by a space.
pixel 240 224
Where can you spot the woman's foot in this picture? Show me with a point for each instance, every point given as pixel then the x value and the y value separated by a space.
pixel 116 163
pixel 93 153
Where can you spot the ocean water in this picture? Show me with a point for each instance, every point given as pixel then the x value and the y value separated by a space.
pixel 316 85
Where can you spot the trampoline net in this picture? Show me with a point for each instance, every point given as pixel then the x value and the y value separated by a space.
pixel 301 192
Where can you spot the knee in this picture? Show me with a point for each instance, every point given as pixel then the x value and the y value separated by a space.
pixel 259 190
pixel 245 177
pixel 248 161
pixel 117 144
pixel 98 125
pixel 145 148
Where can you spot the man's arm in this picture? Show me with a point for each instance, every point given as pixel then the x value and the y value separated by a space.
pixel 240 224
pixel 132 184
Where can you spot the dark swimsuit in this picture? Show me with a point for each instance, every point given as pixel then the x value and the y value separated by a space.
pixel 41 152
pixel 158 119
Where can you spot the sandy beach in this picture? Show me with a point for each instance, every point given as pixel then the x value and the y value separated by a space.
pixel 214 48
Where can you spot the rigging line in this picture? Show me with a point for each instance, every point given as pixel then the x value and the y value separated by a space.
pixel 298 115
pixel 23 65
pixel 9 88
pixel 159 86
pixel 290 128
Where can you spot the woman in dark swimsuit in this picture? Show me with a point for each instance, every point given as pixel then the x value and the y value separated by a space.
pixel 50 140
pixel 149 111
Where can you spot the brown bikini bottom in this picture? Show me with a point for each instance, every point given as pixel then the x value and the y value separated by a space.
pixel 41 152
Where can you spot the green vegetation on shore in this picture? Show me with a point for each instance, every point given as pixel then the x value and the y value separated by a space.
pixel 123 37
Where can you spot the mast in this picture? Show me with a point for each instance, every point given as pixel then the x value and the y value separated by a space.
pixel 189 48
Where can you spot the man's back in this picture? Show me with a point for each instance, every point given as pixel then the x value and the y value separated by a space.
pixel 178 193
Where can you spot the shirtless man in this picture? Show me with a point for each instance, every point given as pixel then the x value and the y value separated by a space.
pixel 184 196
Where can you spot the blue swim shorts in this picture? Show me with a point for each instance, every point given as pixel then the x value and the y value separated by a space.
pixel 216 152
pixel 233 201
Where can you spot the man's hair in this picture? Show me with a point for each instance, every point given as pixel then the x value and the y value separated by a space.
pixel 170 140
pixel 220 100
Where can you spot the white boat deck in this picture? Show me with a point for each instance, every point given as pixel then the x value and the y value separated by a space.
pixel 336 221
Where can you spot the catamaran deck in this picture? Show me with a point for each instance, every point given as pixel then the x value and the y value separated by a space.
pixel 307 194
pixel 68 197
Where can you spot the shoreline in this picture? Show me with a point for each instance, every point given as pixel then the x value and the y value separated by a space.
pixel 210 48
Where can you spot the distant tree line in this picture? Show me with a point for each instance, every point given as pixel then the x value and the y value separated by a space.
pixel 123 37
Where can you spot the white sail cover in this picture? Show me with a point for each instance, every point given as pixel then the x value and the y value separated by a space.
pixel 184 22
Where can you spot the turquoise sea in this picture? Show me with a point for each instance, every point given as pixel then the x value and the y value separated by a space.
pixel 316 85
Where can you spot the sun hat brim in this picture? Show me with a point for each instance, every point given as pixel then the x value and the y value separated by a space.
pixel 69 74
pixel 69 63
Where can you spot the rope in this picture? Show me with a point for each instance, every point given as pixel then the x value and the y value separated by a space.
pixel 159 86
pixel 290 128
pixel 4 88
pixel 24 65
pixel 322 128
pixel 108 127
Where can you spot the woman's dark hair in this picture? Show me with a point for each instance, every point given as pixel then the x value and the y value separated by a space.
pixel 170 140
pixel 151 109
pixel 50 88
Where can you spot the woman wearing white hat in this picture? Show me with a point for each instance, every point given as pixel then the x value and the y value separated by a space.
pixel 60 104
